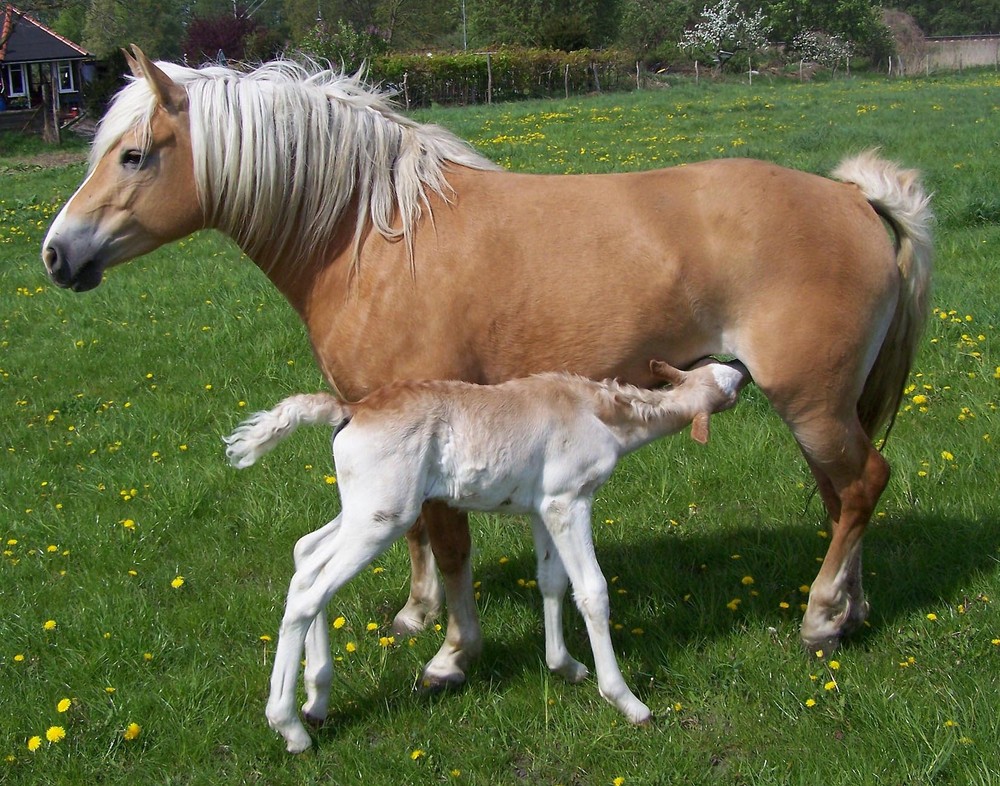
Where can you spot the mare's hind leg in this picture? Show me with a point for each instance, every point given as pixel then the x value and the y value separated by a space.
pixel 552 583
pixel 426 593
pixel 851 476
pixel 449 536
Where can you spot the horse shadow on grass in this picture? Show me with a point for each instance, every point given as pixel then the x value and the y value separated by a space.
pixel 678 589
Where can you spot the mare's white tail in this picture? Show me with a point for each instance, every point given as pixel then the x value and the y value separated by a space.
pixel 899 197
pixel 262 431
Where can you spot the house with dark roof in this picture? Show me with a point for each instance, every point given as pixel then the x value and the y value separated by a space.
pixel 38 67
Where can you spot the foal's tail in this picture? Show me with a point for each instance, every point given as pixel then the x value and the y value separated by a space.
pixel 259 433
pixel 899 198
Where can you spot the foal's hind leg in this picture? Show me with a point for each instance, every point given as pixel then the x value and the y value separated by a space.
pixel 851 476
pixel 318 671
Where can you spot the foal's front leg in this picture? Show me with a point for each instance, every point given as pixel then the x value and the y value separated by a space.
pixel 552 583
pixel 568 523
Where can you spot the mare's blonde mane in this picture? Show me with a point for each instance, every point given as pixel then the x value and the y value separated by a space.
pixel 283 152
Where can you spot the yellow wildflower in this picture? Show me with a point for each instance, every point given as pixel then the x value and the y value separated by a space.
pixel 132 731
pixel 55 734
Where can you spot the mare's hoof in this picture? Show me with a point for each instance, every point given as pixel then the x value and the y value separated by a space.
pixel 439 683
pixel 313 721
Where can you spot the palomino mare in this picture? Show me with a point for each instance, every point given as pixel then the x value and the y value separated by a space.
pixel 409 256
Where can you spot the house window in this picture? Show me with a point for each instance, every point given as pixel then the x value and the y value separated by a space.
pixel 66 83
pixel 17 81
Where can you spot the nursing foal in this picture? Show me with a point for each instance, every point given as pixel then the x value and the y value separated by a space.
pixel 540 445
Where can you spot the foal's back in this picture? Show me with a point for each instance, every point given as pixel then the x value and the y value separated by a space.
pixel 478 447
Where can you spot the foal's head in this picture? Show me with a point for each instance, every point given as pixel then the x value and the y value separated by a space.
pixel 140 192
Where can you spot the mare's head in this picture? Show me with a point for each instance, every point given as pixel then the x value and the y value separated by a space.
pixel 140 191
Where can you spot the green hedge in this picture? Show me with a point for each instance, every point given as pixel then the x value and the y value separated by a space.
pixel 503 75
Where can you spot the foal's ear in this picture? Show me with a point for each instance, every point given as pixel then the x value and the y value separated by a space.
pixel 665 371
pixel 699 428
pixel 169 94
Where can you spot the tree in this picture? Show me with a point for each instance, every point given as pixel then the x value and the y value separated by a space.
pixel 828 51
pixel 228 33
pixel 652 28
pixel 157 27
pixel 342 45
pixel 724 30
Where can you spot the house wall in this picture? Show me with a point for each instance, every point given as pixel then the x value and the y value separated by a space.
pixel 956 53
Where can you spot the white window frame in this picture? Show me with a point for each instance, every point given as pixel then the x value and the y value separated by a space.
pixel 66 67
pixel 23 72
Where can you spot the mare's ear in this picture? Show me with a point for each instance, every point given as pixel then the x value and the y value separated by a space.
pixel 665 371
pixel 169 94
pixel 699 428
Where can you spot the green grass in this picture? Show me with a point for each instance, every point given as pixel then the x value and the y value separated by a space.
pixel 108 392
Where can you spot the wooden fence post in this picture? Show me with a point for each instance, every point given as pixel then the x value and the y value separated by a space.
pixel 489 79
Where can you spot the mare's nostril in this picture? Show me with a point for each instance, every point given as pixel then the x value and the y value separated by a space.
pixel 56 264
pixel 50 257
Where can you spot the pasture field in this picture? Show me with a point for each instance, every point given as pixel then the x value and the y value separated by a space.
pixel 142 579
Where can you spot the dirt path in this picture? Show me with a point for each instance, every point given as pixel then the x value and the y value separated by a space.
pixel 53 160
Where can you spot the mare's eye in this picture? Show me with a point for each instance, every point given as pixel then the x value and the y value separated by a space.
pixel 132 159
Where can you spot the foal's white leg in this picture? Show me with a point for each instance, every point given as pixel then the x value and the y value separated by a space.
pixel 552 583
pixel 318 671
pixel 335 562
pixel 568 522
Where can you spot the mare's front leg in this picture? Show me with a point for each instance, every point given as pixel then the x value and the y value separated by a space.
pixel 426 593
pixel 552 583
pixel 334 562
pixel 448 531
pixel 568 523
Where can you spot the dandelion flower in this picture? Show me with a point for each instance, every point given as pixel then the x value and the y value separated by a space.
pixel 55 734
pixel 810 702
pixel 932 616
pixel 746 581
pixel 49 625
pixel 417 754
pixel 831 685
pixel 63 705
pixel 132 731
pixel 350 646
pixel 947 455
pixel 177 583
pixel 265 638
pixel 619 781
pixel 34 743
pixel 339 623
pixel 834 664
pixel 371 626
